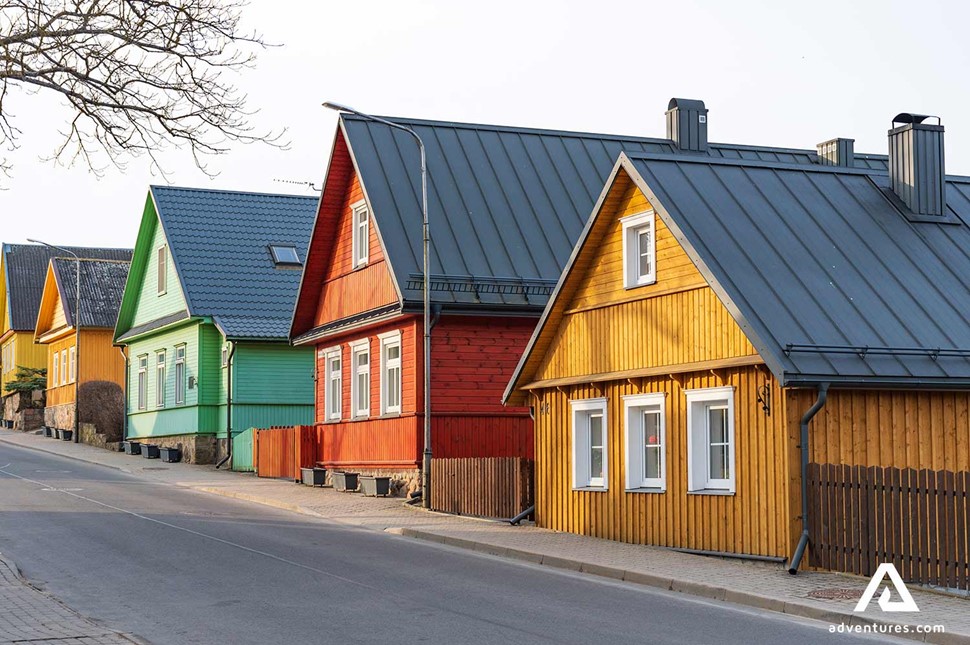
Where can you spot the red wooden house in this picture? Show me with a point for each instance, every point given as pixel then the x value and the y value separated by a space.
pixel 506 206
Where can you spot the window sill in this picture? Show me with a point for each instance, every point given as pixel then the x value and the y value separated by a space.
pixel 591 489
pixel 358 267
pixel 629 287
pixel 712 491
pixel 648 491
pixel 390 415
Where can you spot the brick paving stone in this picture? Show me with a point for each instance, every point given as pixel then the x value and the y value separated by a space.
pixel 758 584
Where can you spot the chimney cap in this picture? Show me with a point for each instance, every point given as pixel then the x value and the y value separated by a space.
pixel 686 104
pixel 915 119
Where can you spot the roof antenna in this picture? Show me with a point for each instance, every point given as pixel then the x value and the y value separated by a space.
pixel 308 184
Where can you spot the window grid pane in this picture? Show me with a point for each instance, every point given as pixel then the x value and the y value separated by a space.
pixel 596 446
pixel 653 445
pixel 718 442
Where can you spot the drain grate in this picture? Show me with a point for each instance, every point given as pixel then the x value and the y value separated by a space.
pixel 836 594
pixel 154 468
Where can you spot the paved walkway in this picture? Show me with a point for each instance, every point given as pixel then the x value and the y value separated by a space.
pixel 757 584
pixel 31 616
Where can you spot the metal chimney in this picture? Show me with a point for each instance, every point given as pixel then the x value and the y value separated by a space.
pixel 837 152
pixel 916 171
pixel 687 124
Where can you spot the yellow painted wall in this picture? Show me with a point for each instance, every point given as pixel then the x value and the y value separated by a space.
pixel 755 519
pixel 98 360
pixel 25 353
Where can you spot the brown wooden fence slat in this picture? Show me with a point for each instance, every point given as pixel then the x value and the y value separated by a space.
pixel 482 486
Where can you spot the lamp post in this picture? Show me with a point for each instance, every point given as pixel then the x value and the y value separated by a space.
pixel 77 334
pixel 426 241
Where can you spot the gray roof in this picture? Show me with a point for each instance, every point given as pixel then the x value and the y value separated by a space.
pixel 506 204
pixel 102 286
pixel 219 241
pixel 26 269
pixel 829 279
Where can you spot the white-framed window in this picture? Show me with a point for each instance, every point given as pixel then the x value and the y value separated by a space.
pixel 361 237
pixel 710 439
pixel 639 250
pixel 72 363
pixel 590 465
pixel 333 383
pixel 55 369
pixel 225 356
pixel 390 372
pixel 63 367
pixel 360 375
pixel 143 381
pixel 162 254
pixel 179 374
pixel 160 379
pixel 646 445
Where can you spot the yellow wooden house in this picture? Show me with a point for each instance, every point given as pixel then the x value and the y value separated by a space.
pixel 83 365
pixel 764 359
pixel 23 268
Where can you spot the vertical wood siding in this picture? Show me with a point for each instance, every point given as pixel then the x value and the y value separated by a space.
pixel 344 290
pixel 754 520
pixel 58 394
pixel 485 487
pixel 99 360
pixel 378 443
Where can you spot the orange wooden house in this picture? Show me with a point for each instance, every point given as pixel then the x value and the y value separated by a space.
pixel 765 359
pixel 85 371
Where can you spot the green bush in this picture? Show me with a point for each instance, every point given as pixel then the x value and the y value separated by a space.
pixel 28 379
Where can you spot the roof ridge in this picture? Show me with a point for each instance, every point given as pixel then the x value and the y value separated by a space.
pixel 591 135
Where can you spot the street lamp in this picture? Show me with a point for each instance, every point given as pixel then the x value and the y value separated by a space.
pixel 426 241
pixel 77 335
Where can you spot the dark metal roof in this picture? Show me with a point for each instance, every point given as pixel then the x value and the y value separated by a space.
pixel 219 240
pixel 26 269
pixel 505 203
pixel 102 286
pixel 827 277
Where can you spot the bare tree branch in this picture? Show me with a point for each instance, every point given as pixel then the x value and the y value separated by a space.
pixel 139 75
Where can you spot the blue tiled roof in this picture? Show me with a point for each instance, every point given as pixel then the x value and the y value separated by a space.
pixel 219 241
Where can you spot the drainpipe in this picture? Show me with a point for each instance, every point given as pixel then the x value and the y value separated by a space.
pixel 823 390
pixel 228 457
pixel 124 422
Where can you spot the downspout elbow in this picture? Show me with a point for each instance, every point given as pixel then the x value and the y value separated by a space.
pixel 823 390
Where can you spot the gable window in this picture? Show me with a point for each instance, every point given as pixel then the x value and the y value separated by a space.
pixel 360 383
pixel 334 383
pixel 180 375
pixel 589 443
pixel 143 382
pixel 72 363
pixel 361 234
pixel 710 439
pixel 160 379
pixel 162 270
pixel 63 367
pixel 391 372
pixel 645 441
pixel 639 250
pixel 285 255
pixel 55 364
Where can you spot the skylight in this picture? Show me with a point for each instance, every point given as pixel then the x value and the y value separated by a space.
pixel 284 255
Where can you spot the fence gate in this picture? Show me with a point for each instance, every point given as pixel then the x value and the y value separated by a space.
pixel 863 516
pixel 484 486
pixel 280 452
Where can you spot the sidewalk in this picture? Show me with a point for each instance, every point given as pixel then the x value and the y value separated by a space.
pixel 828 597
pixel 32 616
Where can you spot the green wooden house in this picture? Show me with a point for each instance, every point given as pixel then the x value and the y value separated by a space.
pixel 205 317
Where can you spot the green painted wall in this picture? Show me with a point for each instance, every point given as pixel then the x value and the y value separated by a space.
pixel 273 384
pixel 151 306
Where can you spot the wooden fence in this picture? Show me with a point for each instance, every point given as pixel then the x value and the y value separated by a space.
pixel 280 452
pixel 487 486
pixel 917 519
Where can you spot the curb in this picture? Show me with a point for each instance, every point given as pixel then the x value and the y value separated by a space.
pixel 701 590
pixel 711 592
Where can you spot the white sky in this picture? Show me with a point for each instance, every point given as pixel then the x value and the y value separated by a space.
pixel 771 73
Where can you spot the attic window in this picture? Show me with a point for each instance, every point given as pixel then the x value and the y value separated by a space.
pixel 284 255
pixel 639 250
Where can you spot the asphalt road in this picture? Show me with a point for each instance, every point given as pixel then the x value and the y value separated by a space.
pixel 177 566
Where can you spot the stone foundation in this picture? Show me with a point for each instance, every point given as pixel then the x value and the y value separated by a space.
pixel 24 412
pixel 60 416
pixel 403 482
pixel 196 449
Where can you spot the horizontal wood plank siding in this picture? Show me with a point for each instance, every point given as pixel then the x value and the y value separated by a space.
pixel 481 436
pixel 377 443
